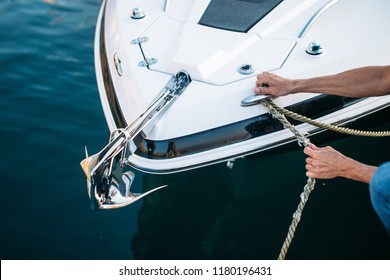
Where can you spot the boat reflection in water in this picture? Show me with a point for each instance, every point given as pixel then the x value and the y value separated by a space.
pixel 238 212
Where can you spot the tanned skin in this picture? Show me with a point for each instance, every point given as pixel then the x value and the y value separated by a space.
pixel 327 163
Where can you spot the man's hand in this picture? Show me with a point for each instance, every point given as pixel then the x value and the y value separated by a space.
pixel 272 84
pixel 327 163
pixel 324 163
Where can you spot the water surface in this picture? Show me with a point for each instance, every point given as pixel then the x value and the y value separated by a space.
pixel 50 109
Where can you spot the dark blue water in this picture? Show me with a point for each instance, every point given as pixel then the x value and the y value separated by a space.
pixel 50 109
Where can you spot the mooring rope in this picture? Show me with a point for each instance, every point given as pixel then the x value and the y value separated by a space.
pixel 279 114
pixel 303 140
pixel 340 129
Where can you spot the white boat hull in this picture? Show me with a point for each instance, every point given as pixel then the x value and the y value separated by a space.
pixel 206 124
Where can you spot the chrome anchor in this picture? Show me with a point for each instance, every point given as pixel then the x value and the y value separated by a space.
pixel 108 185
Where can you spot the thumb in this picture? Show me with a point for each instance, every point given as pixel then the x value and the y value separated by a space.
pixel 262 90
pixel 311 150
pixel 313 147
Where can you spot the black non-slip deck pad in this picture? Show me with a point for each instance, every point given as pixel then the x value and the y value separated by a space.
pixel 236 15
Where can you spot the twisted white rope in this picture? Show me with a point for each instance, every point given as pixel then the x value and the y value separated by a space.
pixel 340 129
pixel 279 114
pixel 303 140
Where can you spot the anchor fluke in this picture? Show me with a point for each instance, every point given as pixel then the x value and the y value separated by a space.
pixel 118 193
pixel 108 186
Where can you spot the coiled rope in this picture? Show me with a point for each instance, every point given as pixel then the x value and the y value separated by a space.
pixel 279 114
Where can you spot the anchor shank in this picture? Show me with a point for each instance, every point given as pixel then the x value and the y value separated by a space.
pixel 108 186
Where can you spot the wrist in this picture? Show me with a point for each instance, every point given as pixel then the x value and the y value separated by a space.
pixel 357 171
pixel 295 86
pixel 347 169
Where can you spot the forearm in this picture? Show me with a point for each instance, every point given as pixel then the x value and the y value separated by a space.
pixel 354 170
pixel 359 82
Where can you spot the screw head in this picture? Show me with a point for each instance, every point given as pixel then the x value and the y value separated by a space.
pixel 314 48
pixel 246 69
pixel 137 13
